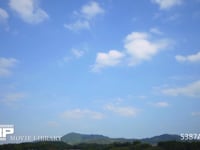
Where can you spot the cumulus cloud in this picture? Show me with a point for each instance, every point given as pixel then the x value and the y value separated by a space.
pixel 125 111
pixel 194 58
pixel 82 113
pixel 3 15
pixel 140 47
pixel 167 4
pixel 112 58
pixel 6 65
pixel 28 10
pixel 91 10
pixel 191 90
pixel 85 16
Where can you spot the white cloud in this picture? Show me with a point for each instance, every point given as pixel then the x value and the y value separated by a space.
pixel 78 53
pixel 4 19
pixel 28 10
pixel 167 4
pixel 112 58
pixel 190 58
pixel 6 64
pixel 12 98
pixel 140 48
pixel 173 17
pixel 3 15
pixel 85 16
pixel 126 111
pixel 161 104
pixel 75 54
pixel 78 25
pixel 82 113
pixel 91 10
pixel 156 31
pixel 191 90
pixel 170 18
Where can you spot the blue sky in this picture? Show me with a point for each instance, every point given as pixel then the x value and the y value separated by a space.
pixel 119 68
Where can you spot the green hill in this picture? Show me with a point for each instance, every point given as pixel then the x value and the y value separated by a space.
pixel 77 138
pixel 161 138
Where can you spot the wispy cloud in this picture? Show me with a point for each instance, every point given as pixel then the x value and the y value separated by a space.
pixel 173 17
pixel 74 54
pixel 110 59
pixel 12 98
pixel 126 111
pixel 82 113
pixel 167 4
pixel 165 18
pixel 194 58
pixel 3 15
pixel 196 114
pixel 191 90
pixel 6 65
pixel 84 17
pixel 161 104
pixel 77 53
pixel 78 25
pixel 29 11
pixel 156 31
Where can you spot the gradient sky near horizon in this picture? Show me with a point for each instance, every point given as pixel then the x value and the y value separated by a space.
pixel 121 68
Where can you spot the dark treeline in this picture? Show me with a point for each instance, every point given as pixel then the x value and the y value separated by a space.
pixel 137 145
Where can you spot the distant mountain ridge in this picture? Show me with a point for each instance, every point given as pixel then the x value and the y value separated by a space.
pixel 161 138
pixel 77 138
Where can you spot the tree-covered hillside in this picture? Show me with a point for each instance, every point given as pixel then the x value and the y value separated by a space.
pixel 137 145
pixel 77 138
